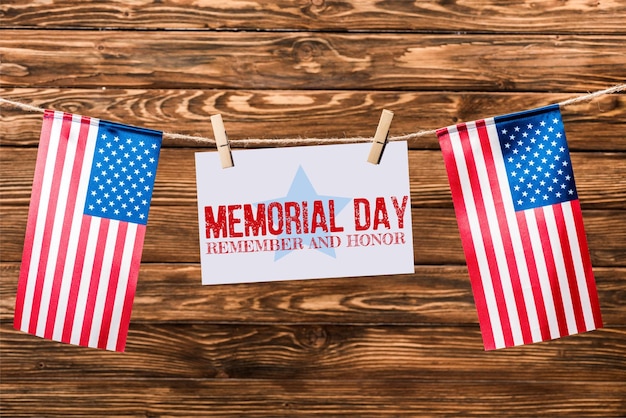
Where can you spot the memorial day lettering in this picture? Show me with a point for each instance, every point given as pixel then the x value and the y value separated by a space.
pixel 291 225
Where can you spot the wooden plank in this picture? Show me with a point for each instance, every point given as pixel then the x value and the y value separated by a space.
pixel 172 235
pixel 303 113
pixel 431 295
pixel 316 397
pixel 329 351
pixel 287 60
pixel 176 178
pixel 370 15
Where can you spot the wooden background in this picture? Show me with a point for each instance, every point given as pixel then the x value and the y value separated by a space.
pixel 375 346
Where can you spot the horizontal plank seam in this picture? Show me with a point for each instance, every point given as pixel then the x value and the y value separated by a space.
pixel 417 325
pixel 419 90
pixel 437 381
pixel 246 30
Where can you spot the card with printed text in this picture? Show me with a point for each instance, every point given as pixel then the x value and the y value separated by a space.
pixel 303 213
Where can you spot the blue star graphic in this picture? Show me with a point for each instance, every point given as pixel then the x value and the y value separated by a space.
pixel 301 190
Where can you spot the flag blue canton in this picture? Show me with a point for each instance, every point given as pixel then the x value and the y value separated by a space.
pixel 536 157
pixel 123 172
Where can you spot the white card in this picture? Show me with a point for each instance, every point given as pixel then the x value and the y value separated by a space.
pixel 303 213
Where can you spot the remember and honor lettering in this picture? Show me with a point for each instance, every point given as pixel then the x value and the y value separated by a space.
pixel 361 227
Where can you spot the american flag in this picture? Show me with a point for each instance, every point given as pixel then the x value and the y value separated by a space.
pixel 84 235
pixel 521 227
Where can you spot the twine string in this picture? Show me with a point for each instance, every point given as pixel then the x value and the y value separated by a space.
pixel 243 143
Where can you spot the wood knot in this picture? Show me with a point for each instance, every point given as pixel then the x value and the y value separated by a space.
pixel 306 51
pixel 309 54
pixel 313 337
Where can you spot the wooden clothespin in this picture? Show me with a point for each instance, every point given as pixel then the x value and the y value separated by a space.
pixel 380 139
pixel 221 141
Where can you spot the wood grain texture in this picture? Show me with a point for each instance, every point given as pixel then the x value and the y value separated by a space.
pixel 353 15
pixel 404 345
pixel 287 60
pixel 325 397
pixel 322 351
pixel 307 113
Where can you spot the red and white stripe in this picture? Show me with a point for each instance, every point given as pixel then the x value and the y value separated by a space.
pixel 78 274
pixel 530 270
